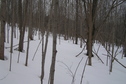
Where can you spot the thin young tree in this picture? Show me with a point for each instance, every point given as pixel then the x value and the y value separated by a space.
pixel 30 20
pixel 44 44
pixel 8 19
pixel 12 30
pixel 76 29
pixel 55 4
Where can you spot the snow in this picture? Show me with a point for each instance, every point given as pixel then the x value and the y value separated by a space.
pixel 98 73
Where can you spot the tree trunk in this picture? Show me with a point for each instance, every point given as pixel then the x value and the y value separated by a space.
pixel 26 62
pixel 8 33
pixel 90 29
pixel 2 27
pixel 20 25
pixel 31 34
pixel 90 11
pixel 76 29
pixel 12 30
pixel 44 47
pixel 30 26
pixel 44 56
pixel 90 40
pixel 54 51
pixel 22 22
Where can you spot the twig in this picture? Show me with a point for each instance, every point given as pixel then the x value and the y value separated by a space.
pixel 98 49
pixel 120 63
pixel 98 57
pixel 108 51
pixel 83 71
pixel 36 50
pixel 78 66
pixel 15 45
pixel 81 51
pixel 18 44
pixel 116 52
pixel 76 71
pixel 117 61
pixel 4 77
pixel 84 45
pixel 71 73
pixel 119 52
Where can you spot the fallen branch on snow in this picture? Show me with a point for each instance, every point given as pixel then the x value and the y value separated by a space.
pixel 4 77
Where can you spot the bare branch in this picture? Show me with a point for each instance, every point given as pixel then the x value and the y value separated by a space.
pixel 36 50
pixel 4 77
pixel 120 63
pixel 81 51
pixel 76 71
pixel 83 71
pixel 98 56
pixel 117 61
pixel 119 3
pixel 71 73
pixel 105 18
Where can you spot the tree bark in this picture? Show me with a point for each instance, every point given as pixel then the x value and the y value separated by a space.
pixel 12 30
pixel 54 51
pixel 2 28
pixel 44 56
pixel 90 38
pixel 20 25
pixel 22 22
pixel 26 62
pixel 90 11
pixel 27 53
pixel 76 29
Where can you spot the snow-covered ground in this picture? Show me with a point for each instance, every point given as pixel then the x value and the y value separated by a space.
pixel 98 73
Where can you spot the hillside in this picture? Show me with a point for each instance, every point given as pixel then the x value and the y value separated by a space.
pixel 66 64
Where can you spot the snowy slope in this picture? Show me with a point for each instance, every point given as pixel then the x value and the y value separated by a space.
pixel 98 73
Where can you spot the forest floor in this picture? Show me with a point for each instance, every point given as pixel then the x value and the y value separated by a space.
pixel 66 65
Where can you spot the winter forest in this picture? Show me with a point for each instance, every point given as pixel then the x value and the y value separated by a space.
pixel 62 41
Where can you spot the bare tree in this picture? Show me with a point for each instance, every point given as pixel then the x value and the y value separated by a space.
pixel 76 29
pixel 30 19
pixel 12 30
pixel 90 9
pixel 20 20
pixel 54 51
pixel 44 44
pixel 2 27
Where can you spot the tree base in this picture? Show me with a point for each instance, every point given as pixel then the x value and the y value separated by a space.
pixel 87 55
